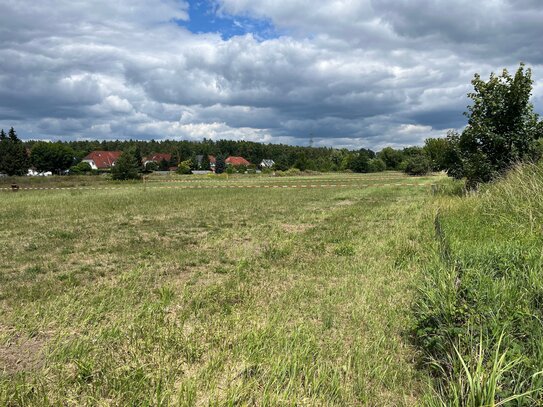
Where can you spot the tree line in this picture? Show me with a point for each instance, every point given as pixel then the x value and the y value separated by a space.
pixel 502 129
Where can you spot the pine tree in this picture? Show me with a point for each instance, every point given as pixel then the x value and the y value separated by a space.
pixel 13 155
pixel 220 165
pixel 126 167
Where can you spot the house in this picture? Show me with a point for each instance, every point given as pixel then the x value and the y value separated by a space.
pixel 267 163
pixel 236 161
pixel 210 158
pixel 34 173
pixel 157 158
pixel 102 160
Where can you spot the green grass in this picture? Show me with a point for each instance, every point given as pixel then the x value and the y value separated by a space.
pixel 213 296
pixel 479 314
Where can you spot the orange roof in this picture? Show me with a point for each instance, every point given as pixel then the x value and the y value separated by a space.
pixel 103 159
pixel 235 161
pixel 158 157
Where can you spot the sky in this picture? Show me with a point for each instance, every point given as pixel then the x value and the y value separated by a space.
pixel 340 73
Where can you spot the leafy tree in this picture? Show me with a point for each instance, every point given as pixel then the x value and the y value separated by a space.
pixel 126 167
pixel 13 155
pixel 359 162
pixel 502 126
pixel 376 165
pixel 151 166
pixel 220 165
pixel 417 165
pixel 436 151
pixel 184 167
pixel 392 158
pixel 82 168
pixel 54 157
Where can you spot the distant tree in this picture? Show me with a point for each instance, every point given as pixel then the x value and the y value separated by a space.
pixel 302 162
pixel 13 155
pixel 376 165
pixel 126 167
pixel 359 162
pixel 82 168
pixel 54 157
pixel 184 167
pixel 436 150
pixel 392 158
pixel 204 164
pixel 136 152
pixel 164 165
pixel 220 165
pixel 502 126
pixel 151 166
pixel 417 165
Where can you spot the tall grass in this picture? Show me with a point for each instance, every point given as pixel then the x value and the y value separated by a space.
pixel 483 296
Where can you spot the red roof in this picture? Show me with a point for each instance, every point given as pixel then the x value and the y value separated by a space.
pixel 235 161
pixel 103 159
pixel 158 157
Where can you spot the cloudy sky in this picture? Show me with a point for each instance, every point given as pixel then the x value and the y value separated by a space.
pixel 345 73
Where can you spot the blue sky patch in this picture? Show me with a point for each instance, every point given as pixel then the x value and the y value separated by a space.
pixel 205 18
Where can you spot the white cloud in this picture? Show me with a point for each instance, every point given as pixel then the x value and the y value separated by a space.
pixel 348 73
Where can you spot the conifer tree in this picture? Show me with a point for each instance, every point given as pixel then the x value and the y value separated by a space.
pixel 13 155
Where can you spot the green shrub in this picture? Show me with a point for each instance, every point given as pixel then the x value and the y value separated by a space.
pixel 377 165
pixel 418 165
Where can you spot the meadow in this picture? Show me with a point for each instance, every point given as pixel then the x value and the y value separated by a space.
pixel 160 295
pixel 321 290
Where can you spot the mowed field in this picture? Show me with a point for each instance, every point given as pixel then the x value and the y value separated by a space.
pixel 200 291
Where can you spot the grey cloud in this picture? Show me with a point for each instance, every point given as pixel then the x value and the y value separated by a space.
pixel 355 74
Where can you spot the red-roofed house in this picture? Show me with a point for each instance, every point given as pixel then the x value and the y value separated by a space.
pixel 102 160
pixel 157 158
pixel 236 161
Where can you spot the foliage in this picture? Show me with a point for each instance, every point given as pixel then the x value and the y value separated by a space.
pixel 502 126
pixel 417 165
pixel 376 165
pixel 13 155
pixel 184 167
pixel 392 158
pixel 486 285
pixel 151 166
pixel 242 169
pixel 126 167
pixel 164 165
pixel 204 164
pixel 82 168
pixel 220 165
pixel 436 149
pixel 54 157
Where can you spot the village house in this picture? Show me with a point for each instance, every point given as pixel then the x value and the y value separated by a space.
pixel 236 161
pixel 102 160
pixel 267 163
pixel 157 158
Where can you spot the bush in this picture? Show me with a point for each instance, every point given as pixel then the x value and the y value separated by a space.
pixel 417 166
pixel 151 166
pixel 377 165
pixel 81 168
pixel 184 167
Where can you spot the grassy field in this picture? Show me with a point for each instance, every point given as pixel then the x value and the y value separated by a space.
pixel 159 295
